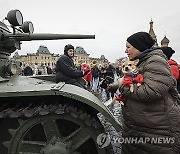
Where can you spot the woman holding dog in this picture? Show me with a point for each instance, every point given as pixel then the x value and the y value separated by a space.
pixel 151 112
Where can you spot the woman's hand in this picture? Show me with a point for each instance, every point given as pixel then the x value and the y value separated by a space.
pixel 120 81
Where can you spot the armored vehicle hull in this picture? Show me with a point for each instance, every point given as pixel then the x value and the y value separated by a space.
pixel 38 116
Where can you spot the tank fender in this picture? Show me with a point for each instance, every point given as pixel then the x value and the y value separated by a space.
pixel 84 96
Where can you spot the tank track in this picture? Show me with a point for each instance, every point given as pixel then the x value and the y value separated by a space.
pixel 20 111
pixel 43 109
pixel 29 111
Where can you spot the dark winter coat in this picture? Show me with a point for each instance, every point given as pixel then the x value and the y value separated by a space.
pixel 66 71
pixel 150 110
pixel 49 70
pixel 109 71
pixel 28 71
pixel 95 72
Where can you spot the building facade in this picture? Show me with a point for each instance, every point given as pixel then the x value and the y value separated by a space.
pixel 43 57
pixel 81 56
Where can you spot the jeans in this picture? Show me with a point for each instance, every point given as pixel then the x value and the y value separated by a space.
pixel 95 84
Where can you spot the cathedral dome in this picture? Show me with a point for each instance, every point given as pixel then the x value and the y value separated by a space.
pixel 165 41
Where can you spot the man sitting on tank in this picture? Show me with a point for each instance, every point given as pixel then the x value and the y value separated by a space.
pixel 66 70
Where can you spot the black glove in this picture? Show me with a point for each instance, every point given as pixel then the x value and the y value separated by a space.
pixel 85 72
pixel 105 82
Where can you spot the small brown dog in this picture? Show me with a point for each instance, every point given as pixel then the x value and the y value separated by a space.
pixel 131 76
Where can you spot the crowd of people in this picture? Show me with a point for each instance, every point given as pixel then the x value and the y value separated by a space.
pixel 27 70
pixel 151 109
pixel 85 75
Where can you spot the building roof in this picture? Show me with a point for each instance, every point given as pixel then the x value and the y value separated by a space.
pixel 43 49
pixel 80 50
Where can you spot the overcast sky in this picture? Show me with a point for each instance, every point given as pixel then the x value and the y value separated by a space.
pixel 112 21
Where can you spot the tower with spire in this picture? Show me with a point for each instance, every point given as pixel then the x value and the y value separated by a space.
pixel 151 32
pixel 164 42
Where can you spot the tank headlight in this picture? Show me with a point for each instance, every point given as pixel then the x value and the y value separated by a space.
pixel 12 69
pixel 15 17
pixel 27 27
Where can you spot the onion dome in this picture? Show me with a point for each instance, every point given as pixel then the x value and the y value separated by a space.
pixel 165 41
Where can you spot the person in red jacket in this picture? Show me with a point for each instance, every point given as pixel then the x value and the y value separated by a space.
pixel 168 51
pixel 88 76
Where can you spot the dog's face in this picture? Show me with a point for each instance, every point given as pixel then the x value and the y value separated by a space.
pixel 129 66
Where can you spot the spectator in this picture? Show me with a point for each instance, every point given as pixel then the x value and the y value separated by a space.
pixel 88 76
pixel 79 65
pixel 35 70
pixel 66 70
pixel 28 70
pixel 95 75
pixel 49 69
pixel 108 70
pixel 119 71
pixel 39 72
pixel 168 51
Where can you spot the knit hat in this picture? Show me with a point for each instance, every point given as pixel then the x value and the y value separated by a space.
pixel 67 47
pixel 141 41
pixel 168 51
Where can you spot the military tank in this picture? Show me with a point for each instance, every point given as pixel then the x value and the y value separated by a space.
pixel 38 116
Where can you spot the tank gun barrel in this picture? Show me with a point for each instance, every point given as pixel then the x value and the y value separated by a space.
pixel 10 40
pixel 46 36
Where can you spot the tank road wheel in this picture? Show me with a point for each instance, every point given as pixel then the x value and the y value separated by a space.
pixel 67 133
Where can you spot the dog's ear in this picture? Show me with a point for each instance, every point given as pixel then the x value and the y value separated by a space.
pixel 122 65
pixel 136 61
